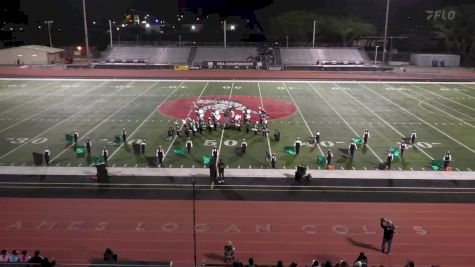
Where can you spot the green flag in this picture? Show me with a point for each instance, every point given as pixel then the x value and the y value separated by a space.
pixel 97 159
pixel 118 139
pixel 289 150
pixel 357 140
pixel 69 139
pixel 395 151
pixel 321 161
pixel 437 164
pixel 179 151
pixel 80 151
pixel 207 160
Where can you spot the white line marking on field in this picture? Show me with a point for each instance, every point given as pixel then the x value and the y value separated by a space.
pixel 365 168
pixel 239 166
pixel 436 143
pixel 341 117
pixel 141 124
pixel 193 166
pixel 136 165
pixel 469 169
pixel 262 105
pixel 80 164
pixel 423 169
pixel 105 120
pixel 69 164
pixel 412 169
pixel 419 118
pixel 400 168
pixel 441 110
pixel 339 142
pixel 191 110
pixel 303 118
pixel 222 132
pixel 457 169
pixel 442 97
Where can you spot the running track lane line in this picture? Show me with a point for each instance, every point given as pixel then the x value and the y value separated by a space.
pixel 384 121
pixel 103 121
pixel 54 126
pixel 341 117
pixel 298 108
pixel 146 119
pixel 417 117
pixel 50 107
pixel 262 104
pixel 181 127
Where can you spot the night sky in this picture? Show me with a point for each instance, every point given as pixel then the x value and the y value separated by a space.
pixel 27 17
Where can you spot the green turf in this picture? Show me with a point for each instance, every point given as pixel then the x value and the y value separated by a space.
pixel 35 114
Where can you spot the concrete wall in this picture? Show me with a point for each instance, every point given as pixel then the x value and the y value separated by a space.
pixel 26 56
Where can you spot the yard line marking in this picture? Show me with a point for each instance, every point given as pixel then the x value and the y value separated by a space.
pixel 69 164
pixel 379 117
pixel 46 109
pixel 193 166
pixel 341 117
pixel 457 169
pixel 262 105
pixel 443 111
pixel 443 97
pixel 467 95
pixel 54 126
pixel 298 108
pixel 469 169
pixel 181 127
pixel 105 120
pixel 29 101
pixel 143 122
pixel 222 132
pixel 419 118
pixel 80 164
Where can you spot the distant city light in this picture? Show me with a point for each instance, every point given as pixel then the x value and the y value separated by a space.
pixel 123 25
pixel 79 48
pixel 232 27
pixel 94 22
pixel 147 25
pixel 39 27
pixel 193 27
pixel 118 28
pixel 156 20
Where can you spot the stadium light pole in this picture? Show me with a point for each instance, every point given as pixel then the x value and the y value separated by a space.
pixel 287 40
pixel 376 55
pixel 110 31
pixel 386 32
pixel 49 31
pixel 85 29
pixel 313 40
pixel 224 30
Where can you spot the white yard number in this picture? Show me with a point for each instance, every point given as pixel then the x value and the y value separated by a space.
pixel 237 87
pixel 424 145
pixel 327 144
pixel 210 143
pixel 230 142
pixel 22 140
pixel 226 87
pixel 280 88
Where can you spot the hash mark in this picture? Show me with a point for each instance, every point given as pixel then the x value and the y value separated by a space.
pixel 80 164
pixel 469 169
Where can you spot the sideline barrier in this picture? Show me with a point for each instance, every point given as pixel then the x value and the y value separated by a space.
pixel 181 67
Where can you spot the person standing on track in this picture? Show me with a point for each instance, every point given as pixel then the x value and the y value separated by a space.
pixel 366 136
pixel 243 146
pixel 214 152
pixel 388 234
pixel 447 158
pixel 297 145
pixel 142 146
pixel 413 137
pixel 47 155
pixel 273 159
pixel 221 171
pixel 159 155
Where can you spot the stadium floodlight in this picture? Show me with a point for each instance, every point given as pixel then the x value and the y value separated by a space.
pixel 313 40
pixel 193 27
pixel 385 32
pixel 232 27
pixel 147 25
pixel 49 31
pixel 85 29
pixel 110 31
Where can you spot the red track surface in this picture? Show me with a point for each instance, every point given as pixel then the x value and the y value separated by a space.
pixel 78 230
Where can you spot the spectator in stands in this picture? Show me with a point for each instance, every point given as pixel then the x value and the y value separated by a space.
pixel 4 256
pixel 315 263
pixel 362 259
pixel 342 263
pixel 280 264
pixel 328 264
pixel 293 264
pixel 409 264
pixel 36 258
pixel 24 257
pixel 109 255
pixel 46 263
pixel 229 250
pixel 251 263
pixel 14 257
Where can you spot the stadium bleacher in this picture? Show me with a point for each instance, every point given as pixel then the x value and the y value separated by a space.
pixel 322 56
pixel 224 54
pixel 148 55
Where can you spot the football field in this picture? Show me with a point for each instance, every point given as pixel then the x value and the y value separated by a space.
pixel 38 113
